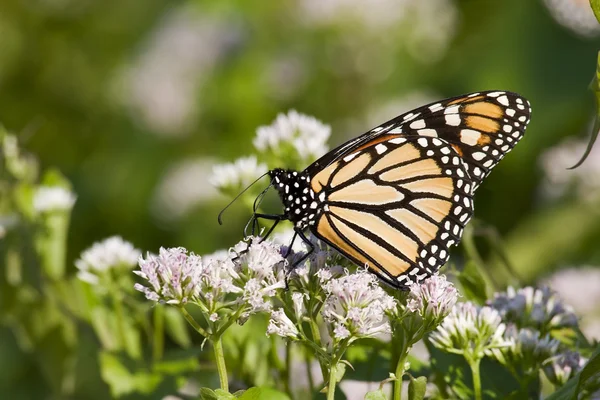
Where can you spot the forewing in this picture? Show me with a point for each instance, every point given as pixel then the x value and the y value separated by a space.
pixel 482 127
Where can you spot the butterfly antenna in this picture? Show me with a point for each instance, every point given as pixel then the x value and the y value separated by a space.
pixel 219 218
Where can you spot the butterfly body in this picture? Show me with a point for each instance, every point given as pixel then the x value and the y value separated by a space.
pixel 398 197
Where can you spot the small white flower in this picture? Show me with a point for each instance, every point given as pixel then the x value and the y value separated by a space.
pixel 53 198
pixel 528 348
pixel 113 252
pixel 356 306
pixel 259 270
pixel 173 275
pixel 280 324
pixel 433 299
pixel 540 309
pixel 469 328
pixel 239 174
pixel 307 135
pixel 563 367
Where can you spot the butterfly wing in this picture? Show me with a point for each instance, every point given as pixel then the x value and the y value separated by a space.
pixel 395 204
pixel 398 197
pixel 482 127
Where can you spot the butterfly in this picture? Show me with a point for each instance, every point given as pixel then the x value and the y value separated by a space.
pixel 399 196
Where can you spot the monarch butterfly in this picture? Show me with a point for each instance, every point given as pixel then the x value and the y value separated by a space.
pixel 398 197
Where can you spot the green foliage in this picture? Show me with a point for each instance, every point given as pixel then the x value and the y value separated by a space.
pixel 474 286
pixel 416 388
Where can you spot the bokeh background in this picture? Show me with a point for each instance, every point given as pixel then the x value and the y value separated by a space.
pixel 136 101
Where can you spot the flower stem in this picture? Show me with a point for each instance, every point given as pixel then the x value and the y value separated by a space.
pixel 220 358
pixel 158 340
pixel 193 322
pixel 474 364
pixel 399 375
pixel 316 338
pixel 332 379
pixel 120 317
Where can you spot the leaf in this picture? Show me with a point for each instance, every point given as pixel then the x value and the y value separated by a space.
pixel 572 388
pixel 595 4
pixel 263 393
pixel 376 395
pixel 416 388
pixel 122 381
pixel 207 394
pixel 595 88
pixel 340 370
pixel 176 327
pixel 473 283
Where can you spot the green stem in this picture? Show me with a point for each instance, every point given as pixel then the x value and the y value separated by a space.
pixel 118 307
pixel 288 368
pixel 332 379
pixel 316 336
pixel 399 375
pixel 221 368
pixel 474 364
pixel 193 322
pixel 311 383
pixel 158 339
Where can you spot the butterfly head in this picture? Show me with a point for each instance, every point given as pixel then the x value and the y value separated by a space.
pixel 295 193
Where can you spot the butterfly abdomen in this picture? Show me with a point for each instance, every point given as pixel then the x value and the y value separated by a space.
pixel 301 204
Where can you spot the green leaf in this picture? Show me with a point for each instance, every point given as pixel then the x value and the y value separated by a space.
pixel 573 387
pixel 176 327
pixel 340 370
pixel 596 8
pixel 416 388
pixel 207 394
pixel 122 381
pixel 263 393
pixel 595 88
pixel 376 395
pixel 473 283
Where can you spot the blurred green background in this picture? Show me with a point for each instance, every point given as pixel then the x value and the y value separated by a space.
pixel 134 101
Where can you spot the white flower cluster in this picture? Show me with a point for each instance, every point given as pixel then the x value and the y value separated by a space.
pixel 529 307
pixel 52 198
pixel 307 136
pixel 472 331
pixel 433 299
pixel 529 348
pixel 249 277
pixel 563 367
pixel 232 177
pixel 113 252
pixel 356 306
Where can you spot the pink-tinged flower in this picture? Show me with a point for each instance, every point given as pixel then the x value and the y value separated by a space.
pixel 356 306
pixel 433 298
pixel 173 276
